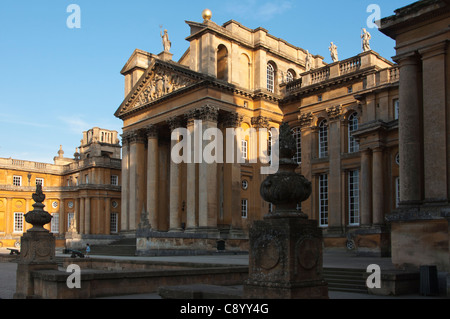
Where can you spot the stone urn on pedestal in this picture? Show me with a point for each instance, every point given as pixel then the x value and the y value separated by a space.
pixel 285 255
pixel 37 248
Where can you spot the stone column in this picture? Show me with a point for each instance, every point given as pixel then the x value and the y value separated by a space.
pixel 174 206
pixel 76 213
pixel 87 215
pixel 125 190
pixel 208 177
pixel 410 131
pixel 107 225
pixel 435 123
pixel 366 187
pixel 62 217
pixel 8 216
pixel 233 170
pixel 137 178
pixel 191 178
pixel 377 186
pixel 152 175
pixel 79 209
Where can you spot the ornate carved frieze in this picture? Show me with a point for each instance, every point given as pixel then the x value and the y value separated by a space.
pixel 334 112
pixel 160 83
pixel 260 122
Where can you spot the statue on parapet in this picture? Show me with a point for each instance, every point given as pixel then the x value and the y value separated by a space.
pixel 333 51
pixel 165 40
pixel 365 36
pixel 308 61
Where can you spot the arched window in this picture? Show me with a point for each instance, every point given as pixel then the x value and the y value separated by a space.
pixel 297 134
pixel 353 145
pixel 323 139
pixel 270 77
pixel 290 76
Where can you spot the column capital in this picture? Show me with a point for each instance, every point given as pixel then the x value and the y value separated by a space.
pixel 151 131
pixel 137 136
pixel 191 115
pixel 232 119
pixel 379 148
pixel 174 122
pixel 126 136
pixel 433 50
pixel 406 58
pixel 260 122
pixel 208 112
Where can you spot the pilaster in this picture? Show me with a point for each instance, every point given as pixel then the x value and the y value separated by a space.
pixel 434 123
pixel 410 131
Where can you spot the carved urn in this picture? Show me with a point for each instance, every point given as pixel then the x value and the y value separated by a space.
pixel 286 188
pixel 38 217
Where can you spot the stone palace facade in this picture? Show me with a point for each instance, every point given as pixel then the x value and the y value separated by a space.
pixel 82 193
pixel 344 117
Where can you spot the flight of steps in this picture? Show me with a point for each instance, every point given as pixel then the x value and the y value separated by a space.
pixel 346 280
pixel 122 247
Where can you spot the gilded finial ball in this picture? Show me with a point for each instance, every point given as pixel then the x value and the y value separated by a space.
pixel 207 14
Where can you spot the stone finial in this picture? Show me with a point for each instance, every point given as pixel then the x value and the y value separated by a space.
pixel 285 189
pixel 38 217
pixel 60 152
pixel 206 15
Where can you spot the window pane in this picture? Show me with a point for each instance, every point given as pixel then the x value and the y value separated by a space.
pixel 18 222
pixel 353 197
pixel 55 224
pixel 17 180
pixel 244 208
pixel 270 77
pixel 114 223
pixel 323 139
pixel 296 132
pixel 323 200
pixel 353 145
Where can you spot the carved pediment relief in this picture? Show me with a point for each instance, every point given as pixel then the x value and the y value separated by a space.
pixel 159 84
pixel 155 84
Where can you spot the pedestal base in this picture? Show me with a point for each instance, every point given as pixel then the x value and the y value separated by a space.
pixel 37 253
pixel 285 260
pixel 304 290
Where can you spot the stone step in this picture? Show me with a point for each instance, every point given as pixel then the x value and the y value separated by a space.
pixel 121 247
pixel 346 280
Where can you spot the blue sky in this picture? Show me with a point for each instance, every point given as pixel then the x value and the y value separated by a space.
pixel 57 82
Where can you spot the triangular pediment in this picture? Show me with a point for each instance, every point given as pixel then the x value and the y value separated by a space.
pixel 160 80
